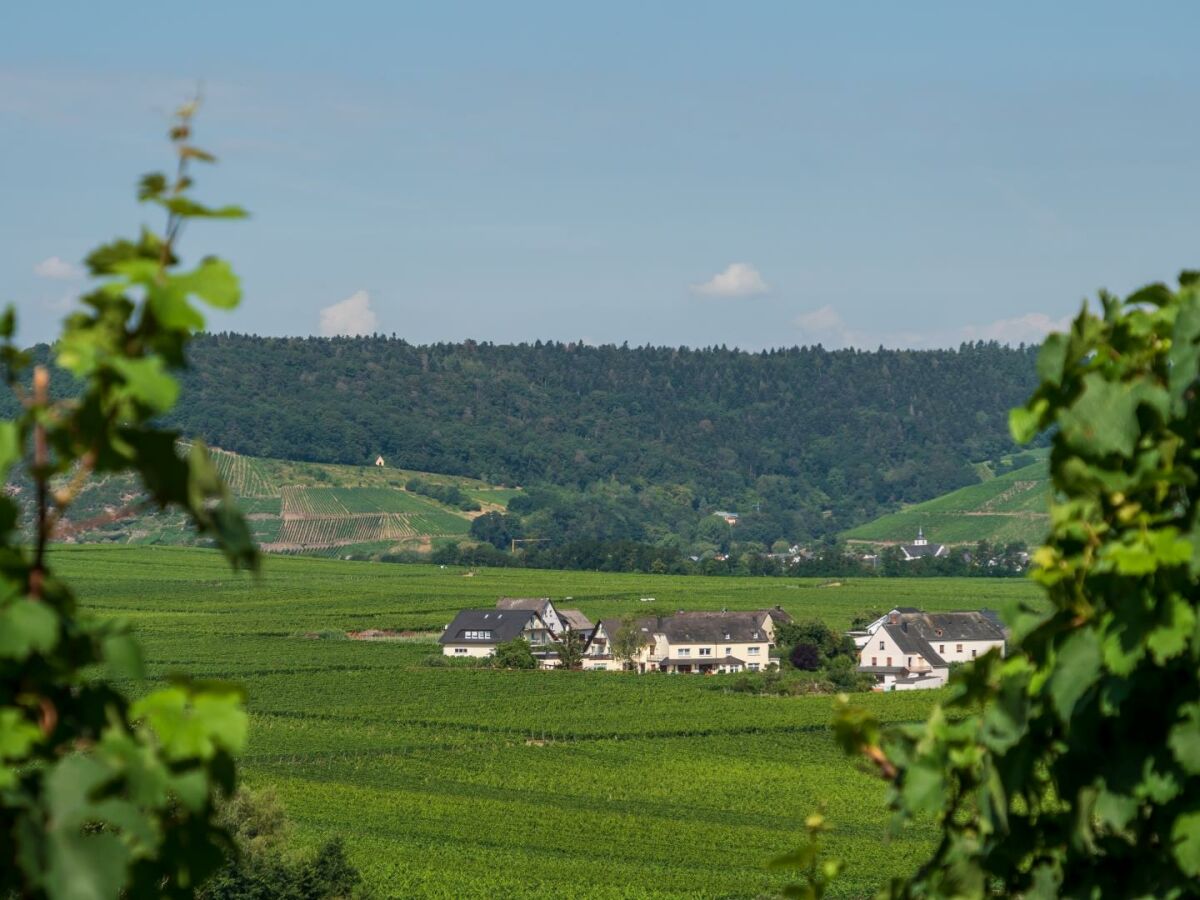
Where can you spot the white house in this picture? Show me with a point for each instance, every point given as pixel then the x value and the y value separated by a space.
pixel 557 620
pixel 476 632
pixel 908 649
pixel 690 642
pixel 540 605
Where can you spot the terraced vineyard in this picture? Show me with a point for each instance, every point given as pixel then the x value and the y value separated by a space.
pixel 451 782
pixel 296 508
pixel 1010 507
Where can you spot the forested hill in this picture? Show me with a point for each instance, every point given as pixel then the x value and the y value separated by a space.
pixel 644 440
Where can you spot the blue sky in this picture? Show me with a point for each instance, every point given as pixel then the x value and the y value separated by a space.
pixel 753 174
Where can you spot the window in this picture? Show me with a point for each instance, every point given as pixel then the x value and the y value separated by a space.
pixel 889 660
pixel 478 635
pixel 941 648
pixel 729 651
pixel 753 651
pixel 910 662
pixel 958 648
pixel 881 646
pixel 706 651
pixel 753 667
pixel 602 666
pixel 874 660
pixel 460 651
pixel 685 651
pixel 973 652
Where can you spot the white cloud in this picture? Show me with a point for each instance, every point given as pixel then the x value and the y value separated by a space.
pixel 1029 328
pixel 58 269
pixel 820 320
pixel 826 326
pixel 349 317
pixel 738 280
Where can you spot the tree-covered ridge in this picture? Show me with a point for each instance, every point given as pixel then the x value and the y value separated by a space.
pixel 817 440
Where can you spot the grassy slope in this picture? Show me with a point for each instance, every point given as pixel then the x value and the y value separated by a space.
pixel 648 786
pixel 334 509
pixel 1009 507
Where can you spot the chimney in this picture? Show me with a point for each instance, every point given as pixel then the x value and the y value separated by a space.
pixel 894 618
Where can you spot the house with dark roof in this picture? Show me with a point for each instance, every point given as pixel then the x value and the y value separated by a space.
pixel 557 620
pixel 909 649
pixel 694 642
pixel 922 549
pixel 476 632
pixel 540 605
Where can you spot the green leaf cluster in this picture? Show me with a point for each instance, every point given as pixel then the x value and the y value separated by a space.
pixel 100 797
pixel 1072 766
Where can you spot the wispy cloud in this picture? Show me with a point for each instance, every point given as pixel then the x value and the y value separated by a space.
pixel 350 316
pixel 826 326
pixel 58 269
pixel 738 280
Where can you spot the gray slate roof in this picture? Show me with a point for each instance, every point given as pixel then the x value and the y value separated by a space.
pixel 503 624
pixel 953 626
pixel 917 632
pixel 575 620
pixel 712 628
pixel 913 643
pixel 537 604
pixel 915 550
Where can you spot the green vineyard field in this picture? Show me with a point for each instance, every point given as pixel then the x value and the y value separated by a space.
pixel 1010 507
pixel 468 783
pixel 306 508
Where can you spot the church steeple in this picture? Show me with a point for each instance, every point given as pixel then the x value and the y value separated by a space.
pixel 920 541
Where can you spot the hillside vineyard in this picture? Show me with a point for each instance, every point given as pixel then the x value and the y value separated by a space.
pixel 818 440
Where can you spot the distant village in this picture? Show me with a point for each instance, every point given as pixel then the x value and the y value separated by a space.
pixel 905 649
pixel 998 559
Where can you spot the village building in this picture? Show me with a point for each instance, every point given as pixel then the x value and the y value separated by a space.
pixel 575 620
pixel 922 549
pixel 557 620
pixel 543 606
pixel 908 649
pixel 690 642
pixel 477 632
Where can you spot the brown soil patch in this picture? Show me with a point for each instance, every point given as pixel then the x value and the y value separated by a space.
pixel 385 634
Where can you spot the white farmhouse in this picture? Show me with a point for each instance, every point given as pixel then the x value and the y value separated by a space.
pixel 690 642
pixel 557 620
pixel 476 632
pixel 908 649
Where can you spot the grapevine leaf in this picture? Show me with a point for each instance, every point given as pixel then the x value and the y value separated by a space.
pixel 81 865
pixel 1184 739
pixel 26 627
pixel 147 381
pixel 1076 668
pixel 1104 419
pixel 1185 838
pixel 213 282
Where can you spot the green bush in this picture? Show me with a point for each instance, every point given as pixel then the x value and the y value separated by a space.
pixel 264 866
pixel 514 654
